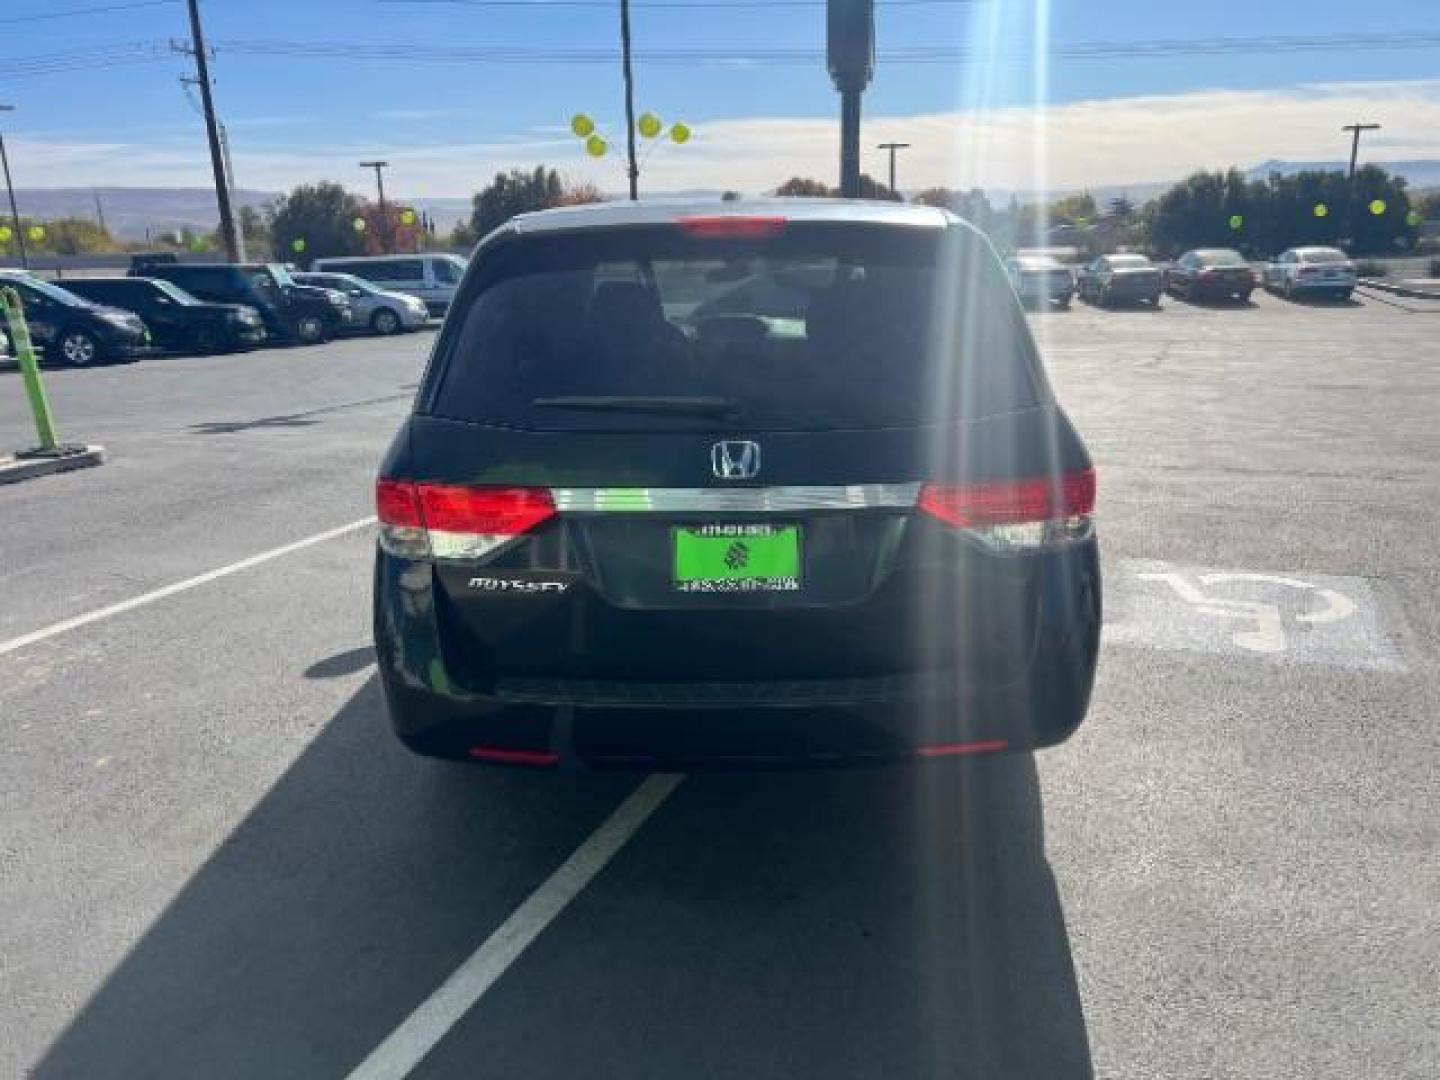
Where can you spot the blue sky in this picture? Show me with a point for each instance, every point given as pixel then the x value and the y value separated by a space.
pixel 303 118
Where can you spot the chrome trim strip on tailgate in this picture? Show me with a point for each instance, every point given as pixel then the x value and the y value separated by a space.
pixel 757 500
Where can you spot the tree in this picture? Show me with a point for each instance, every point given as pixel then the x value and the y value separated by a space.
pixel 1120 210
pixel 321 216
pixel 66 236
pixel 804 187
pixel 808 187
pixel 729 196
pixel 1073 210
pixel 519 192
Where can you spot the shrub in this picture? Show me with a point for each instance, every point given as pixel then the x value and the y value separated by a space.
pixel 1370 268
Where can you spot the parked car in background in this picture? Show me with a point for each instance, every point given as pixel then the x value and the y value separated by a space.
pixel 432 277
pixel 71 329
pixel 1114 279
pixel 291 312
pixel 640 518
pixel 1311 271
pixel 176 320
pixel 1040 280
pixel 377 309
pixel 1211 274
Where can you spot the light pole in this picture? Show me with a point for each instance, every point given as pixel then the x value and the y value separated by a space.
pixel 850 56
pixel 1355 131
pixel 632 170
pixel 379 167
pixel 892 147
pixel 10 187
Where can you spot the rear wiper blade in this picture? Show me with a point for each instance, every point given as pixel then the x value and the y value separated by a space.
pixel 672 406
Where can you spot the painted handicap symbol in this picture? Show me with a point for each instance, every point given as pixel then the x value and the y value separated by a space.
pixel 1264 629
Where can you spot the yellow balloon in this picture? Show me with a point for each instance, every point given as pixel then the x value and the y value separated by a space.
pixel 358 224
pixel 595 146
pixel 582 125
pixel 1321 210
pixel 407 217
pixel 5 234
pixel 649 125
pixel 1377 207
pixel 37 232
pixel 680 133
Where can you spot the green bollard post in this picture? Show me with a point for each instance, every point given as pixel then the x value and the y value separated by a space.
pixel 29 368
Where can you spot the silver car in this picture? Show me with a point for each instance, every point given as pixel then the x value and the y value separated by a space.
pixel 1311 271
pixel 380 311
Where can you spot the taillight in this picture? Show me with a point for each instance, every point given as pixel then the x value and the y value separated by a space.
pixel 1017 515
pixel 731 227
pixel 445 521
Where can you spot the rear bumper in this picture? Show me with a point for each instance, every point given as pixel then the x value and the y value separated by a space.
pixel 609 724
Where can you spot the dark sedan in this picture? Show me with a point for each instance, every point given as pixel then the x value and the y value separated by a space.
pixel 1113 279
pixel 1211 274
pixel 176 319
pixel 71 329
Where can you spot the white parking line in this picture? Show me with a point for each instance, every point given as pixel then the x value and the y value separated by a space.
pixel 408 1044
pixel 178 587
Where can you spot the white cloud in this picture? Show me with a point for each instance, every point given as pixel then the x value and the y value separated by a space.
pixel 1085 143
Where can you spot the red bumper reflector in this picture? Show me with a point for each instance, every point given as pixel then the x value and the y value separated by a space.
pixel 958 749
pixel 534 758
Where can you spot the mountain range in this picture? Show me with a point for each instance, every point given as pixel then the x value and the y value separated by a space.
pixel 133 213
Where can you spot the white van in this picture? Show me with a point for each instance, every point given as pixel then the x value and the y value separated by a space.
pixel 431 276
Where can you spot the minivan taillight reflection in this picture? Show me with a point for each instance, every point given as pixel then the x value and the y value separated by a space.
pixel 1017 515
pixel 445 521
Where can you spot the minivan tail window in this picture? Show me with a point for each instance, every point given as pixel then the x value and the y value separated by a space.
pixel 822 327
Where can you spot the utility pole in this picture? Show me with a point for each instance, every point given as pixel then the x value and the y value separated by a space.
pixel 892 147
pixel 230 190
pixel 9 187
pixel 632 169
pixel 1355 130
pixel 99 210
pixel 379 166
pixel 850 56
pixel 212 132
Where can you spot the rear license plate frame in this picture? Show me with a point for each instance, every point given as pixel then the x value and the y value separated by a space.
pixel 714 566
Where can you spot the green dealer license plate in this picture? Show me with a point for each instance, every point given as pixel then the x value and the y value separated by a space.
pixel 737 558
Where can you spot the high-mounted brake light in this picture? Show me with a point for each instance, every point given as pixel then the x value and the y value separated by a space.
pixel 731 227
pixel 447 521
pixel 1017 514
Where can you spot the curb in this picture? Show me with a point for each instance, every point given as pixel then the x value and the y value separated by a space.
pixel 1397 290
pixel 15 469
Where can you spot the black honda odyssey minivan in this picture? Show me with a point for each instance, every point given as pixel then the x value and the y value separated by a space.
pixel 773 483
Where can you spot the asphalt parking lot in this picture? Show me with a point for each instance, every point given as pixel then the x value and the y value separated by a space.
pixel 215 861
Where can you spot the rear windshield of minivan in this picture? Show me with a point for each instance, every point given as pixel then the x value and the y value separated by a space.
pixel 818 327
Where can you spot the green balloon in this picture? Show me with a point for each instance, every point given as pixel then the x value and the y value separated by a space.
pixel 407 217
pixel 1377 207
pixel 297 245
pixel 680 133
pixel 649 125
pixel 1237 222
pixel 582 126
pixel 37 232
pixel 5 234
pixel 595 146
pixel 1321 210
pixel 1414 218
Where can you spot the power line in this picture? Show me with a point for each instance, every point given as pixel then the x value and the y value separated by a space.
pixel 609 5
pixel 102 9
pixel 146 52
pixel 914 54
